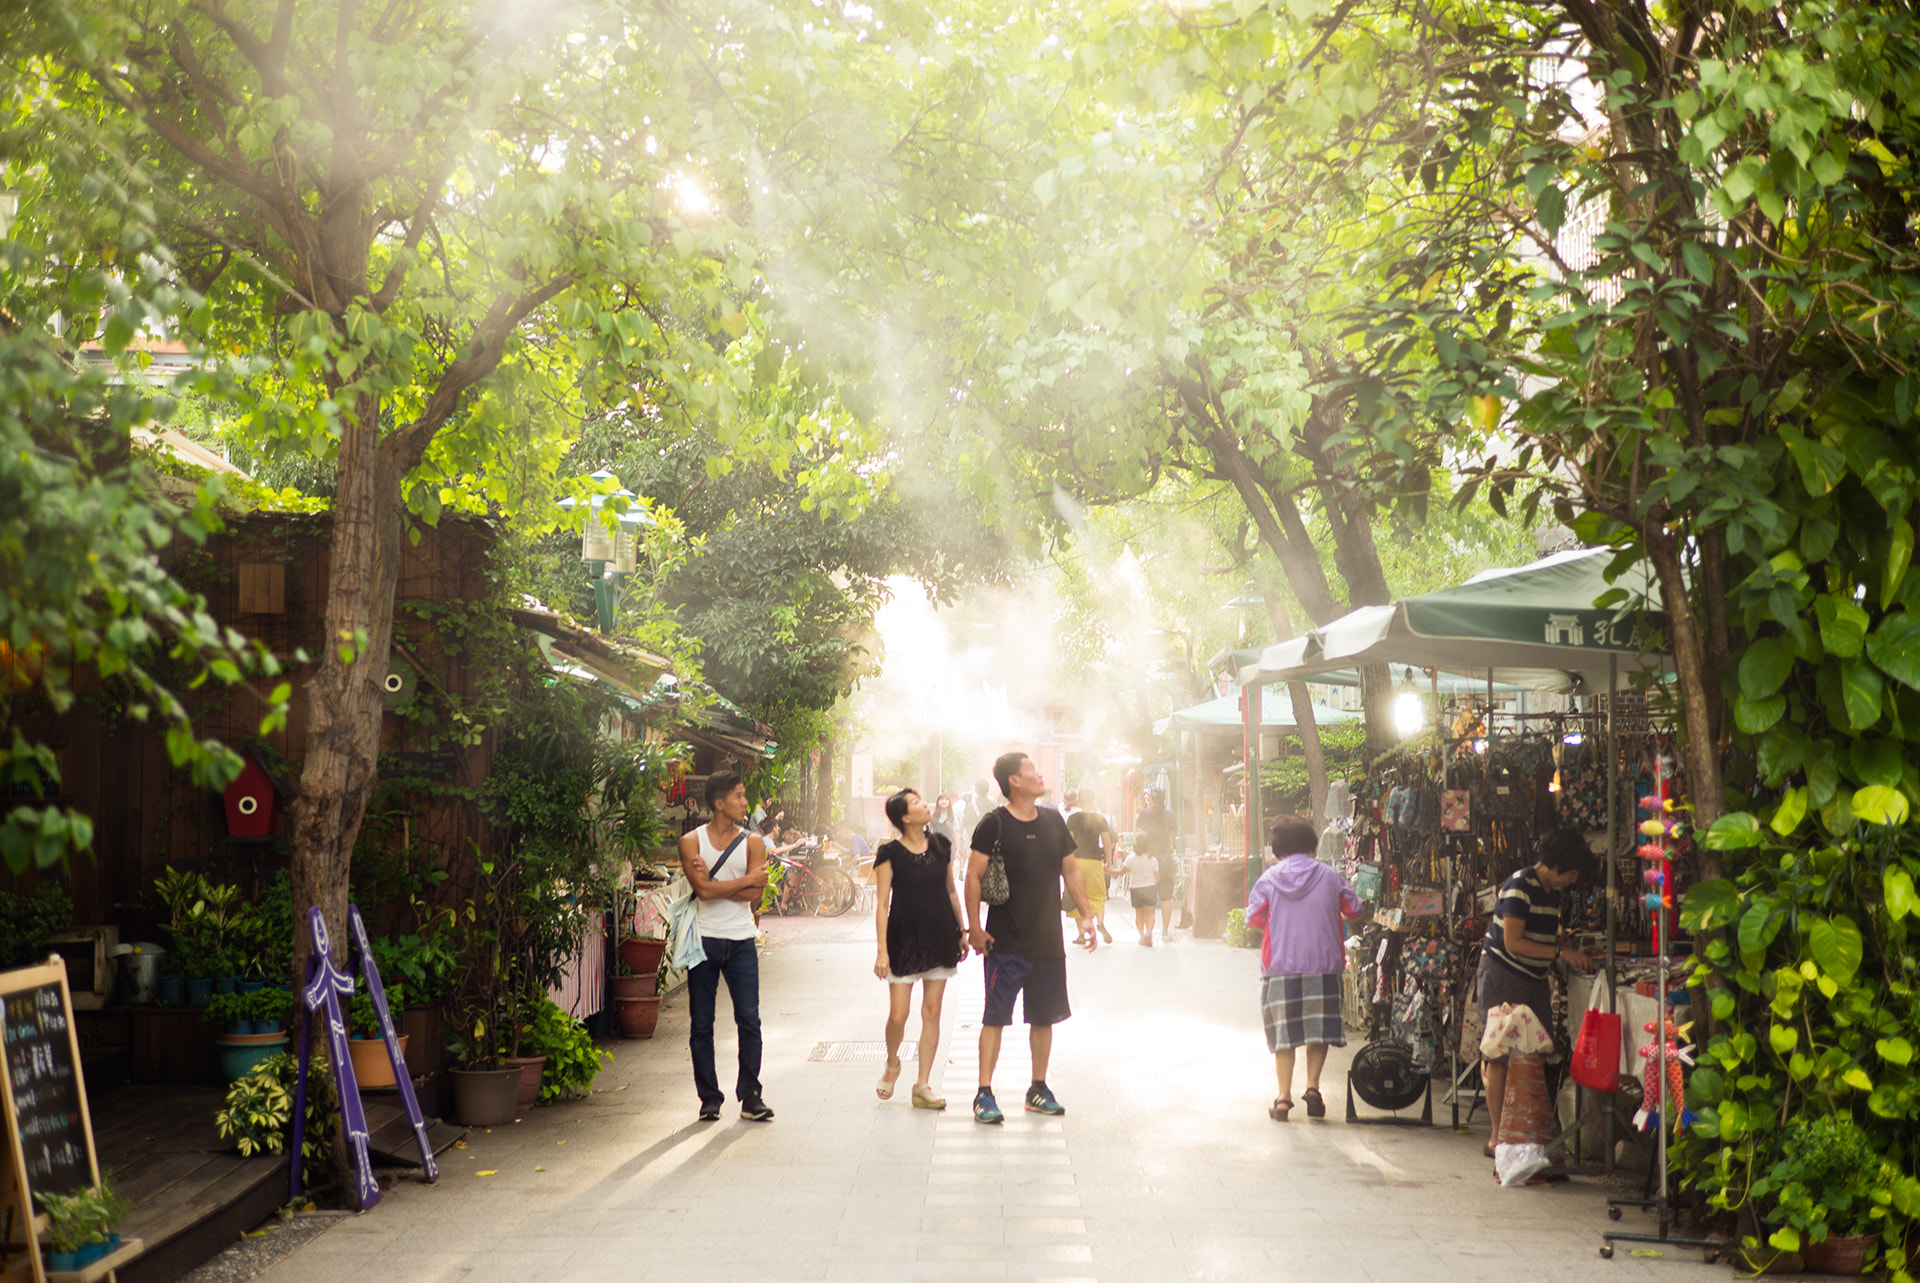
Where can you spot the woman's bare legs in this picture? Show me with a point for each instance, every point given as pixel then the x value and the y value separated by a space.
pixel 899 998
pixel 932 994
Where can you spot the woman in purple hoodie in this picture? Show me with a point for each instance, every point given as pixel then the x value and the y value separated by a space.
pixel 1299 903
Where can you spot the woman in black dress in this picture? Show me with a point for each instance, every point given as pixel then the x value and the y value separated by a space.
pixel 917 920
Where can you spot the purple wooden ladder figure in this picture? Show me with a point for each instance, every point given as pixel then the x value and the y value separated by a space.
pixel 326 984
pixel 371 974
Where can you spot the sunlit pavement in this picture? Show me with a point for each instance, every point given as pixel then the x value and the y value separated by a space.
pixel 1164 1167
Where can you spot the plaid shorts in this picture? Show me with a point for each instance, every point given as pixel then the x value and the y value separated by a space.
pixel 1298 1010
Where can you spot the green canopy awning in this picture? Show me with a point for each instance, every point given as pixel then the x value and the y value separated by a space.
pixel 1218 714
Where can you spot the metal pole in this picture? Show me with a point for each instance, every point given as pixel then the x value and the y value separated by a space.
pixel 1613 875
pixel 1253 719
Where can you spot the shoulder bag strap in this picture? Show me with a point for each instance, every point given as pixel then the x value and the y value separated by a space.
pixel 738 838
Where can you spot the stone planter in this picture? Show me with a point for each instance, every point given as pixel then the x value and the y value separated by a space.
pixel 530 1069
pixel 371 1068
pixel 486 1097
pixel 637 1017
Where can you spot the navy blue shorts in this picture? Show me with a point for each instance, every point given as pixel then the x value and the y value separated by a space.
pixel 1042 980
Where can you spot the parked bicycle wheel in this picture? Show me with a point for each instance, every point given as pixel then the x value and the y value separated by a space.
pixel 808 891
pixel 838 892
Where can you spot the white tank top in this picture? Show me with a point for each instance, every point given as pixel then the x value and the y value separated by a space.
pixel 724 919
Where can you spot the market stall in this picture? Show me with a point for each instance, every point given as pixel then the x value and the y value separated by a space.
pixel 1440 822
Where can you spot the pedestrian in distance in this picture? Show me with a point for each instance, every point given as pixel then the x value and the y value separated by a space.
pixel 974 806
pixel 726 865
pixel 1093 847
pixel 1020 941
pixel 1143 889
pixel 1153 833
pixel 1299 904
pixel 916 919
pixel 944 821
pixel 1523 941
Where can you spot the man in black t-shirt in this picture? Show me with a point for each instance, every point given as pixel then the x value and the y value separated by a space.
pixel 1021 943
pixel 1093 847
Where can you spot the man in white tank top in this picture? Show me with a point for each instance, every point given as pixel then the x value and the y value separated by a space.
pixel 727 867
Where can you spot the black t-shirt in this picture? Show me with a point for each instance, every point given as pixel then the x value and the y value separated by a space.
pixel 1154 832
pixel 1029 923
pixel 1087 828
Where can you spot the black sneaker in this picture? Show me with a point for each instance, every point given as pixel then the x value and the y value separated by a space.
pixel 755 1110
pixel 709 1113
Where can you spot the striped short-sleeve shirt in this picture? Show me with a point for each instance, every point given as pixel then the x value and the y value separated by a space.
pixel 1523 897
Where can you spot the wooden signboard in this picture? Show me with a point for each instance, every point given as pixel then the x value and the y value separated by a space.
pixel 44 1102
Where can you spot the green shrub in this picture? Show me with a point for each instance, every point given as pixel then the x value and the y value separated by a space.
pixel 572 1057
pixel 1238 933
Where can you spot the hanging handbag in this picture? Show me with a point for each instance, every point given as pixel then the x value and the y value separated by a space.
pixel 1504 795
pixel 993 882
pixel 1456 811
pixel 683 916
pixel 1596 1053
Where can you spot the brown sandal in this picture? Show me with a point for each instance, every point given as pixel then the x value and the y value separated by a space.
pixel 1278 1110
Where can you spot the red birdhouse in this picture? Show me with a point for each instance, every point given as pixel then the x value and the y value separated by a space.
pixel 253 800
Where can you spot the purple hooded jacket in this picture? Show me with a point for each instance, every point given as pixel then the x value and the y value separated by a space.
pixel 1299 902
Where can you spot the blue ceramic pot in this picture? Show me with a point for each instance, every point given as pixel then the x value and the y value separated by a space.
pixel 249 986
pixel 238 1059
pixel 266 1026
pixel 171 991
pixel 63 1260
pixel 198 991
pixel 237 1027
pixel 225 984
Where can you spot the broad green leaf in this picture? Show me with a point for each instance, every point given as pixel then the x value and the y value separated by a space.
pixel 1783 1038
pixel 1843 625
pixel 1709 904
pixel 1901 899
pixel 1734 832
pixel 1878 804
pixel 1836 946
pixel 1860 687
pixel 1764 667
pixel 1895 1051
pixel 1899 556
pixel 1758 927
pixel 1753 716
pixel 1877 761
pixel 1856 1078
pixel 1894 648
pixel 1792 809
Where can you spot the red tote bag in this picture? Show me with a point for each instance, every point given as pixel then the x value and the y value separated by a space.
pixel 1596 1053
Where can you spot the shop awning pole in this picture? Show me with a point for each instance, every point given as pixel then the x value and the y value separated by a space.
pixel 1613 872
pixel 1453 1015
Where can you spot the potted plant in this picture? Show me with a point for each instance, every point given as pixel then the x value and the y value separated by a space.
pixel 1830 1191
pixel 572 1059
pixel 372 1067
pixel 258 1116
pixel 80 1226
pixel 230 1013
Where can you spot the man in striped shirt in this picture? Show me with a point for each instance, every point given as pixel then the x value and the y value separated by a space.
pixel 1524 940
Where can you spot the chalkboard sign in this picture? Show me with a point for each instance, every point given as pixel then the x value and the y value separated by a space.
pixel 42 1095
pixel 43 1081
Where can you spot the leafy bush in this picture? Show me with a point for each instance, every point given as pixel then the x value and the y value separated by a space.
pixel 259 1112
pixel 572 1056
pixel 1238 933
pixel 27 920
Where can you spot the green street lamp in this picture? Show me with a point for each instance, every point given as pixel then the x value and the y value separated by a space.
pixel 611 550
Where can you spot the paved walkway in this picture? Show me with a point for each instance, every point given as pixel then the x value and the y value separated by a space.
pixel 1165 1166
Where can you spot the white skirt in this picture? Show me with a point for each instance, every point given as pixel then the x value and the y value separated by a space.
pixel 931 973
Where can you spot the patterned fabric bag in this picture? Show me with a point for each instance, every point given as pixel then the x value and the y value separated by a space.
pixel 993 883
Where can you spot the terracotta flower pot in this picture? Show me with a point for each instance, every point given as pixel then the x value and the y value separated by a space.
pixel 619 987
pixel 637 1016
pixel 1839 1255
pixel 531 1068
pixel 371 1068
pixel 486 1097
pixel 642 956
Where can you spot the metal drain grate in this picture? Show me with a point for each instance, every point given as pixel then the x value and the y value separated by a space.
pixel 860 1052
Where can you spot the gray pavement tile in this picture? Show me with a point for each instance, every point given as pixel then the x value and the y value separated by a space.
pixel 1011 1253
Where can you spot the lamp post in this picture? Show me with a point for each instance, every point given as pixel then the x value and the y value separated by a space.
pixel 609 553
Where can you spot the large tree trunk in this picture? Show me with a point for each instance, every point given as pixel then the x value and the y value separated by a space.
pixel 1699 687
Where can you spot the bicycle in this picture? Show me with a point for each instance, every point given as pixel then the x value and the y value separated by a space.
pixel 795 886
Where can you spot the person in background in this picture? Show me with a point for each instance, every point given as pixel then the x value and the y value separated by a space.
pixel 1299 903
pixel 974 806
pixel 1522 943
pixel 917 919
pixel 1020 941
pixel 1143 878
pixel 944 821
pixel 1153 834
pixel 1093 847
pixel 727 868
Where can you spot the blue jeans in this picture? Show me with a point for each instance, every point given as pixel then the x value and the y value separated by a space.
pixel 739 962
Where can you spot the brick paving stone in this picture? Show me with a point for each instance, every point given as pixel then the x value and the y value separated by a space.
pixel 1165 1165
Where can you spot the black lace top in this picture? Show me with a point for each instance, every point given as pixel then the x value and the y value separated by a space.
pixel 922 932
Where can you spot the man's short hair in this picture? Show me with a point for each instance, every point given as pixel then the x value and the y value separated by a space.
pixel 1005 767
pixel 1156 797
pixel 1565 850
pixel 897 808
pixel 1292 835
pixel 721 783
pixel 979 786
